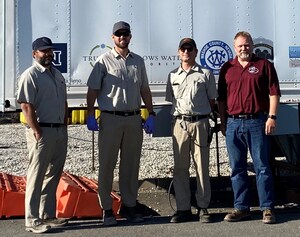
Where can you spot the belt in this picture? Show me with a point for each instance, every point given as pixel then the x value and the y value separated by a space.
pixel 123 113
pixel 191 118
pixel 245 116
pixel 51 125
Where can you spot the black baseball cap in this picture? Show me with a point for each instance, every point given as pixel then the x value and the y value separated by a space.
pixel 188 41
pixel 121 25
pixel 42 44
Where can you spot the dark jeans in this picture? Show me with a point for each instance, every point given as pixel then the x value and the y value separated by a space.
pixel 242 134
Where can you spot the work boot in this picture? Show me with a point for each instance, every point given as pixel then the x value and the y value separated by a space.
pixel 130 214
pixel 268 217
pixel 204 216
pixel 38 227
pixel 109 219
pixel 182 216
pixel 237 215
pixel 55 222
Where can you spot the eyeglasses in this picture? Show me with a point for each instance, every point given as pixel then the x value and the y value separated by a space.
pixel 189 49
pixel 120 33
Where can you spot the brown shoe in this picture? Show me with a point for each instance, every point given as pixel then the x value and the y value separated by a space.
pixel 268 217
pixel 237 215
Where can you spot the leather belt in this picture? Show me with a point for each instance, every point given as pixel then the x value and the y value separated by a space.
pixel 245 116
pixel 191 118
pixel 123 113
pixel 51 125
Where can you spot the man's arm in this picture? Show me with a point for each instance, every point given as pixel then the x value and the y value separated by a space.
pixel 222 106
pixel 66 113
pixel 147 98
pixel 90 99
pixel 31 119
pixel 271 123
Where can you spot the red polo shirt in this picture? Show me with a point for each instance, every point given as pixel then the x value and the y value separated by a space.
pixel 247 90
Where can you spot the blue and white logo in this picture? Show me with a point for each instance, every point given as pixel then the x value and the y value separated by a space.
pixel 214 54
pixel 60 57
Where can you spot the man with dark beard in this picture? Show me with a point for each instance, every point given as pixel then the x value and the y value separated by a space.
pixel 119 81
pixel 42 96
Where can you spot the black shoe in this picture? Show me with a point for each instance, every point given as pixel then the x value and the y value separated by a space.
pixel 182 216
pixel 109 218
pixel 130 214
pixel 204 216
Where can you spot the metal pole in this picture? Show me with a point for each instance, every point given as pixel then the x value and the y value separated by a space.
pixel 2 105
pixel 93 154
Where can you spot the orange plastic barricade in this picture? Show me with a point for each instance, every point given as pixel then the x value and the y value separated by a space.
pixel 77 197
pixel 12 195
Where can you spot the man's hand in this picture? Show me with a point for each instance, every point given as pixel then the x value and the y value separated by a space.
pixel 149 125
pixel 270 126
pixel 91 123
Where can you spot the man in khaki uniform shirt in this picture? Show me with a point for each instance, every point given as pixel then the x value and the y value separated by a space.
pixel 42 95
pixel 119 81
pixel 192 90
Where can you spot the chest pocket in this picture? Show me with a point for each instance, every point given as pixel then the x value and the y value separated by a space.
pixel 198 87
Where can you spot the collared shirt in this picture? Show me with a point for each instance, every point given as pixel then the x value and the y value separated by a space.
pixel 191 91
pixel 247 90
pixel 46 90
pixel 119 81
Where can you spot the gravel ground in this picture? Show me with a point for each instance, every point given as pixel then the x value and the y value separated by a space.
pixel 156 160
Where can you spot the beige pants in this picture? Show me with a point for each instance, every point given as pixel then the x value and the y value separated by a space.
pixel 46 161
pixel 119 136
pixel 190 141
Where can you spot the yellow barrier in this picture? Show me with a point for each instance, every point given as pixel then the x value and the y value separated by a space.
pixel 80 116
pixel 22 118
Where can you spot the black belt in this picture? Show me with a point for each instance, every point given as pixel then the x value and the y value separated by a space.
pixel 245 116
pixel 191 118
pixel 51 125
pixel 122 113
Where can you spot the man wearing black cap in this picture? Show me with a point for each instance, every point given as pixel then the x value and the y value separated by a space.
pixel 192 91
pixel 119 81
pixel 43 100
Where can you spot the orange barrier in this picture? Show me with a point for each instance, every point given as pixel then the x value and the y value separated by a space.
pixel 12 195
pixel 77 197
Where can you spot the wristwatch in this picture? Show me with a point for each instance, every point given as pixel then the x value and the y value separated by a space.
pixel 274 117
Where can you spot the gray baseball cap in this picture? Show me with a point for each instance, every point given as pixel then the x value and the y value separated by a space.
pixel 121 25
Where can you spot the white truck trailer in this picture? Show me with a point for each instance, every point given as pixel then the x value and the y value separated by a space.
pixel 81 31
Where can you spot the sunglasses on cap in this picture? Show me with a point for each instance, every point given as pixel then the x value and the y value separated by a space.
pixel 120 33
pixel 189 49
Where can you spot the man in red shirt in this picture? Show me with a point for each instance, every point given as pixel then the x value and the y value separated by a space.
pixel 249 95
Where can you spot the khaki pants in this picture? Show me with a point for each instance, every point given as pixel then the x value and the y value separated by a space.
pixel 46 161
pixel 119 136
pixel 190 141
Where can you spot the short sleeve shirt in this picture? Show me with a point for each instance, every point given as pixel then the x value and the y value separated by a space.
pixel 247 89
pixel 191 92
pixel 46 90
pixel 119 81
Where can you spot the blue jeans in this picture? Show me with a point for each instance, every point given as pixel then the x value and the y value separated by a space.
pixel 242 134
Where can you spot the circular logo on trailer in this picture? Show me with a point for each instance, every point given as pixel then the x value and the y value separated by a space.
pixel 263 50
pixel 214 54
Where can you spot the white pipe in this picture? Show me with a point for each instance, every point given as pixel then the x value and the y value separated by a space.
pixel 2 105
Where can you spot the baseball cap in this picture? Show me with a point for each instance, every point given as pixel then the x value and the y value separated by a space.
pixel 188 41
pixel 42 44
pixel 121 25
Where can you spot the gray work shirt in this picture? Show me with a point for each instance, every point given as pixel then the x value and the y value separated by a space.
pixel 46 90
pixel 119 81
pixel 191 91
